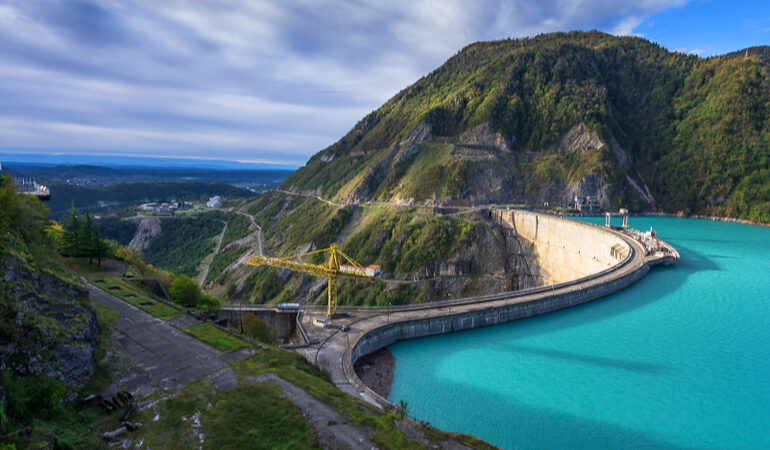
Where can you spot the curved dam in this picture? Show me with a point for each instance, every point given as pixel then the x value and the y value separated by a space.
pixel 576 262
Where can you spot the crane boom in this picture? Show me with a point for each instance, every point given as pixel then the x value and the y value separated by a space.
pixel 282 263
pixel 331 269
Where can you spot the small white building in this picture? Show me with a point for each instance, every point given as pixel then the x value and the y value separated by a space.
pixel 369 271
pixel 214 202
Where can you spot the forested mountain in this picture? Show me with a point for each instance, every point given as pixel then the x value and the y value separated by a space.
pixel 561 115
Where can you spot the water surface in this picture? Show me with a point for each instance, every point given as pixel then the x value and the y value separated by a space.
pixel 681 359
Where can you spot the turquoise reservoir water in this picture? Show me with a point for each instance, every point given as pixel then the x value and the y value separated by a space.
pixel 679 360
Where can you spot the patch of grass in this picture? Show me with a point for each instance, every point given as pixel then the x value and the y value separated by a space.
pixel 130 294
pixel 105 315
pixel 270 420
pixel 205 332
pixel 249 416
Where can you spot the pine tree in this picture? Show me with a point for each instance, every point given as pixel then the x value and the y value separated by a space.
pixel 99 245
pixel 72 234
pixel 89 238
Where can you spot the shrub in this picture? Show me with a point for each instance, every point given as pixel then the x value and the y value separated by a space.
pixel 403 409
pixel 29 397
pixel 210 303
pixel 185 291
pixel 256 328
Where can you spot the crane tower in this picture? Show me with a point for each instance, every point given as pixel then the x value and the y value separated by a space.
pixel 332 268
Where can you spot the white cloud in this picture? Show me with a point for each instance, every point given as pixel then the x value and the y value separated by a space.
pixel 242 78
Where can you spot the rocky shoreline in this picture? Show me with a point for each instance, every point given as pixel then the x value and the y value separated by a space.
pixel 376 371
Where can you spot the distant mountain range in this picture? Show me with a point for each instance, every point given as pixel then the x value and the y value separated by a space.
pixel 129 162
pixel 88 175
pixel 565 116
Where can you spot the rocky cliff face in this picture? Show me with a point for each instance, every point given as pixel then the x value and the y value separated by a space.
pixel 148 229
pixel 47 328
pixel 477 167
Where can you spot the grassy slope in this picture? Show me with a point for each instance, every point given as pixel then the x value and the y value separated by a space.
pixel 205 332
pixel 132 294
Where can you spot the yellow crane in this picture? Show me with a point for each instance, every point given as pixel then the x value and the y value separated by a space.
pixel 332 268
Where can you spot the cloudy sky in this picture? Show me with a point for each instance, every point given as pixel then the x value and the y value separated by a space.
pixel 276 81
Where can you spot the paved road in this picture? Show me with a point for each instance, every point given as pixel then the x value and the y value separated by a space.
pixel 164 357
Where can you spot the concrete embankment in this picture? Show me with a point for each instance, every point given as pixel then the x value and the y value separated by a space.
pixel 599 260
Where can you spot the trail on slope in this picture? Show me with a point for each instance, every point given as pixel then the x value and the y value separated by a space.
pixel 259 229
pixel 208 263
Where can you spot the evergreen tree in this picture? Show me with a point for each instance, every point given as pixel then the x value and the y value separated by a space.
pixel 101 248
pixel 89 239
pixel 72 235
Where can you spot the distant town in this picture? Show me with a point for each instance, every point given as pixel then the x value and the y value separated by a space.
pixel 177 208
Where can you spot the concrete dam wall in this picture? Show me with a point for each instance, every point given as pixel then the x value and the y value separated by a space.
pixel 578 262
pixel 565 250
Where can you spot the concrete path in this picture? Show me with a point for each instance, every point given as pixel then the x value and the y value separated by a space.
pixel 164 357
pixel 327 422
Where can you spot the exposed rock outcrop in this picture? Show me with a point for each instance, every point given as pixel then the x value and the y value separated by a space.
pixel 579 140
pixel 484 136
pixel 148 229
pixel 399 152
pixel 48 329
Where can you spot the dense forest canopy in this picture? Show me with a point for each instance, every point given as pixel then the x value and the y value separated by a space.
pixel 691 132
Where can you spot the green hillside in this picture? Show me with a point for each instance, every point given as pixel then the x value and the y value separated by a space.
pixel 424 254
pixel 563 115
